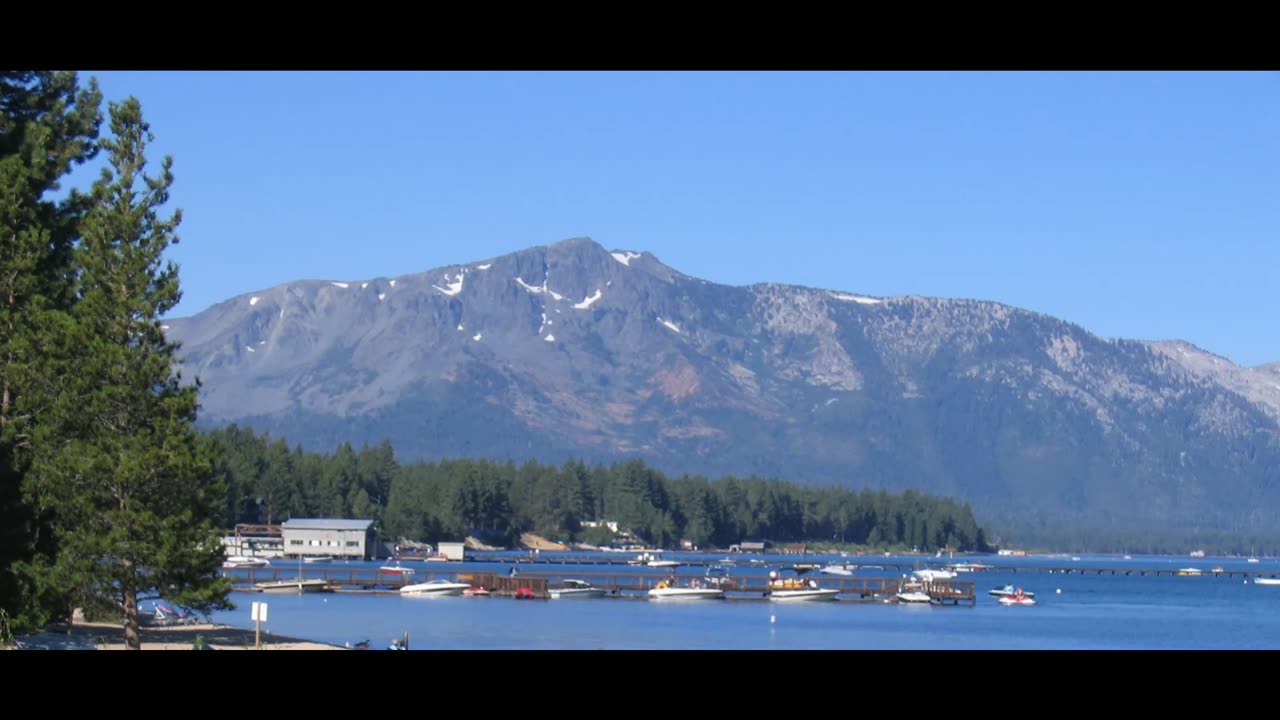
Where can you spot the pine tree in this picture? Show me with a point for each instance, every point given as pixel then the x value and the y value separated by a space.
pixel 48 125
pixel 129 481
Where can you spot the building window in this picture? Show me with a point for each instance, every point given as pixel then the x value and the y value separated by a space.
pixel 353 543
pixel 295 542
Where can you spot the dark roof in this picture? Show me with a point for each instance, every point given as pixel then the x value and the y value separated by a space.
pixel 326 524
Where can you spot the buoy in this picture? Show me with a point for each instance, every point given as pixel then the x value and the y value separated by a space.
pixel 1059 591
pixel 773 619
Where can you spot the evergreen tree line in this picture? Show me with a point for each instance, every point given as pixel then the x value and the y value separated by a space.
pixel 108 493
pixel 267 482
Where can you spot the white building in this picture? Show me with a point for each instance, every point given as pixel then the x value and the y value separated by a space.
pixel 335 537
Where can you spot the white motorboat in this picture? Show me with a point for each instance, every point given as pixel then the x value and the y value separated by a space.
pixel 241 561
pixel 576 589
pixel 435 588
pixel 931 575
pixel 969 567
pixel 913 593
pixel 653 560
pixel 1266 581
pixel 318 559
pixel 798 594
pixel 784 589
pixel 837 570
pixel 669 591
pixel 1018 598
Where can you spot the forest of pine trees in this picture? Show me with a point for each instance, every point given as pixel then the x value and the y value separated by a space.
pixel 267 482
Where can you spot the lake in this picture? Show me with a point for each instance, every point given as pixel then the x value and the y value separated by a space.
pixel 1073 612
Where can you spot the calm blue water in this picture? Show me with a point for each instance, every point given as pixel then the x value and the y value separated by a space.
pixel 1091 612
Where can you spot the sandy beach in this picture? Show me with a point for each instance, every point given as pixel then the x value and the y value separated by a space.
pixel 107 636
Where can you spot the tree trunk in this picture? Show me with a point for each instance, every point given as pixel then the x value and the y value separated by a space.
pixel 131 639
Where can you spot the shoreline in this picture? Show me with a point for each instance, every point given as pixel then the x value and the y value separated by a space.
pixel 110 636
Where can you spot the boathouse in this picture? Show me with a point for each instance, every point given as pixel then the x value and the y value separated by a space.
pixel 334 537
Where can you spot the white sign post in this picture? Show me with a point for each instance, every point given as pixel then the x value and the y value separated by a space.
pixel 259 617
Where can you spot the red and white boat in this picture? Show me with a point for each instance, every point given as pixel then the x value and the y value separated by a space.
pixel 476 592
pixel 395 570
pixel 1018 597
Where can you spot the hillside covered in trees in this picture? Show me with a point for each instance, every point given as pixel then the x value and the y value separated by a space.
pixel 432 501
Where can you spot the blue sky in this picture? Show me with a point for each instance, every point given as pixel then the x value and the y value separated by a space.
pixel 1138 205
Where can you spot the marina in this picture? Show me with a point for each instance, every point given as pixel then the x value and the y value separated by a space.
pixel 622 584
pixel 1076 611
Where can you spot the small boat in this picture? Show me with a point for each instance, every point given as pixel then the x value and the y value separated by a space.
pixel 241 561
pixel 790 589
pixel 292 586
pixel 397 570
pixel 844 569
pixel 476 591
pixel 913 594
pixel 435 588
pixel 931 575
pixel 668 590
pixel 1253 560
pixel 1018 598
pixel 1009 590
pixel 652 560
pixel 718 577
pixel 1266 581
pixel 318 559
pixel 1190 572
pixel 524 593
pixel 576 589
pixel 799 594
pixel 969 567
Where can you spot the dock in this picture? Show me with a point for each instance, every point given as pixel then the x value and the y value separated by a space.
pixel 619 584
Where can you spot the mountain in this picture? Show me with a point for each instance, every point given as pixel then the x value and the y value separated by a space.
pixel 570 349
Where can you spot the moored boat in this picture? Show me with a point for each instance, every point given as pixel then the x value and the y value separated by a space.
pixel 576 589
pixel 668 590
pixel 435 588
pixel 1266 581
pixel 241 561
pixel 913 592
pixel 969 567
pixel 791 589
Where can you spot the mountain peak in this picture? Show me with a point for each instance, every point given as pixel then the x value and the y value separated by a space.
pixel 575 349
